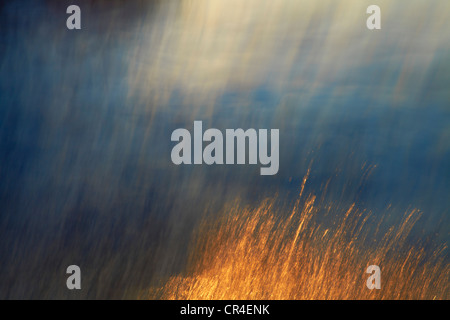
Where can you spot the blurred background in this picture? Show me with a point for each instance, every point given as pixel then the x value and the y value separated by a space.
pixel 86 118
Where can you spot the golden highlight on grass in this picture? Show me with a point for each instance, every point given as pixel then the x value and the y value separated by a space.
pixel 253 253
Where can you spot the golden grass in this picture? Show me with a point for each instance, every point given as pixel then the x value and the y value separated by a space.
pixel 253 253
